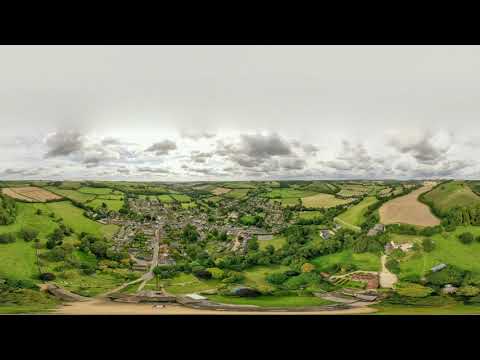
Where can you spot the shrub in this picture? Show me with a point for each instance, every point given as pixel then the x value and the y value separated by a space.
pixel 47 276
pixel 276 278
pixel 7 238
pixel 217 273
pixel 466 238
pixel 393 265
pixel 203 274
pixel 449 275
pixel 428 244
pixel 307 267
pixel 412 278
pixel 468 291
pixel 28 234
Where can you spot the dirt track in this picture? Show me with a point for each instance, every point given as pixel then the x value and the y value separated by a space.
pixel 107 307
pixel 408 210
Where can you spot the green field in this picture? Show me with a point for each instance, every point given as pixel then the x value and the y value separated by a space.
pixel 288 193
pixel 97 191
pixel 114 205
pixel 165 198
pixel 355 215
pixel 455 308
pixel 72 194
pixel 237 193
pixel 277 242
pixel 450 195
pixel 363 261
pixel 323 201
pixel 271 301
pixel 448 250
pixel 288 201
pixel 309 215
pixel 181 198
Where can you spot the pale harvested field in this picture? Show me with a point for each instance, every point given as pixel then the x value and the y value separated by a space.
pixel 220 191
pixel 30 194
pixel 106 307
pixel 323 200
pixel 408 210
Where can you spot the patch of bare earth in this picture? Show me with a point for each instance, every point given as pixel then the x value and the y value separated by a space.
pixel 107 307
pixel 220 191
pixel 31 194
pixel 409 210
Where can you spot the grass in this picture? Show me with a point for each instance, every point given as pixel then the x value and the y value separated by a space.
pixel 96 191
pixel 288 201
pixel 452 194
pixel 237 193
pixel 401 239
pixel 355 215
pixel 185 284
pixel 309 215
pixel 363 261
pixel 271 301
pixel 74 218
pixel 287 193
pixel 27 309
pixel 277 242
pixel 165 198
pixel 322 201
pixel 181 198
pixel 114 205
pixel 348 225
pixel 448 250
pixel 255 276
pixel 90 285
pixel 449 309
pixel 72 194
pixel 188 205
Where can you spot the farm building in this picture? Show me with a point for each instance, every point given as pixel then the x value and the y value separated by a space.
pixel 326 234
pixel 438 267
pixel 392 246
pixel 377 229
pixel 449 289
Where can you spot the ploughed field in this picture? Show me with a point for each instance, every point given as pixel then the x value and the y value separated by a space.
pixel 30 194
pixel 409 210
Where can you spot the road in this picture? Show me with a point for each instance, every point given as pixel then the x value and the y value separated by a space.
pixel 387 279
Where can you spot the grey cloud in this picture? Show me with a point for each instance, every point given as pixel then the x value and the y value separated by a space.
pixel 64 143
pixel 196 135
pixel 162 147
pixel 200 157
pixel 147 169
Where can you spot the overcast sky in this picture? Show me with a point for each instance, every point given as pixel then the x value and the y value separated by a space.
pixel 168 113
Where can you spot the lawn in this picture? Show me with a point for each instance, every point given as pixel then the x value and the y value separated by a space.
pixel 363 261
pixel 184 284
pixel 255 276
pixel 323 201
pixel 271 301
pixel 355 215
pixel 448 250
pixel 452 194
pixel 277 242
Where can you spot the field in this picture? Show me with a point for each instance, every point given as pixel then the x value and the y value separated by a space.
pixel 114 205
pixel 271 301
pixel 181 198
pixel 98 191
pixel 408 210
pixel 355 215
pixel 276 242
pixel 74 195
pixel 288 201
pixel 30 194
pixel 288 193
pixel 237 193
pixel 165 198
pixel 451 194
pixel 364 261
pixel 323 200
pixel 448 250
pixel 220 191
pixel 309 215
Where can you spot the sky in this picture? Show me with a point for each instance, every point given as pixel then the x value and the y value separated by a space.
pixel 206 113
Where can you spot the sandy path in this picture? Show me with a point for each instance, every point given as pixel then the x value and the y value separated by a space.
pixel 408 210
pixel 387 279
pixel 107 307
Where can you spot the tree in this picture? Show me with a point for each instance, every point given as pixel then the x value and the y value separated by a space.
pixel 466 238
pixel 7 238
pixel 307 267
pixel 28 234
pixel 276 278
pixel 190 233
pixel 428 244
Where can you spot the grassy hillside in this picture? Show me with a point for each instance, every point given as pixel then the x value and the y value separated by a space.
pixel 448 250
pixel 356 214
pixel 364 261
pixel 450 195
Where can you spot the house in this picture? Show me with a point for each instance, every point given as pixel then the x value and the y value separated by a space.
pixel 325 234
pixel 404 247
pixel 438 267
pixel 449 289
pixel 377 229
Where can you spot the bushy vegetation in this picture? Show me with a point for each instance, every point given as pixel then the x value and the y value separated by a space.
pixel 8 210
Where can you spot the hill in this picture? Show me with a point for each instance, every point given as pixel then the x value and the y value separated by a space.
pixel 449 195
